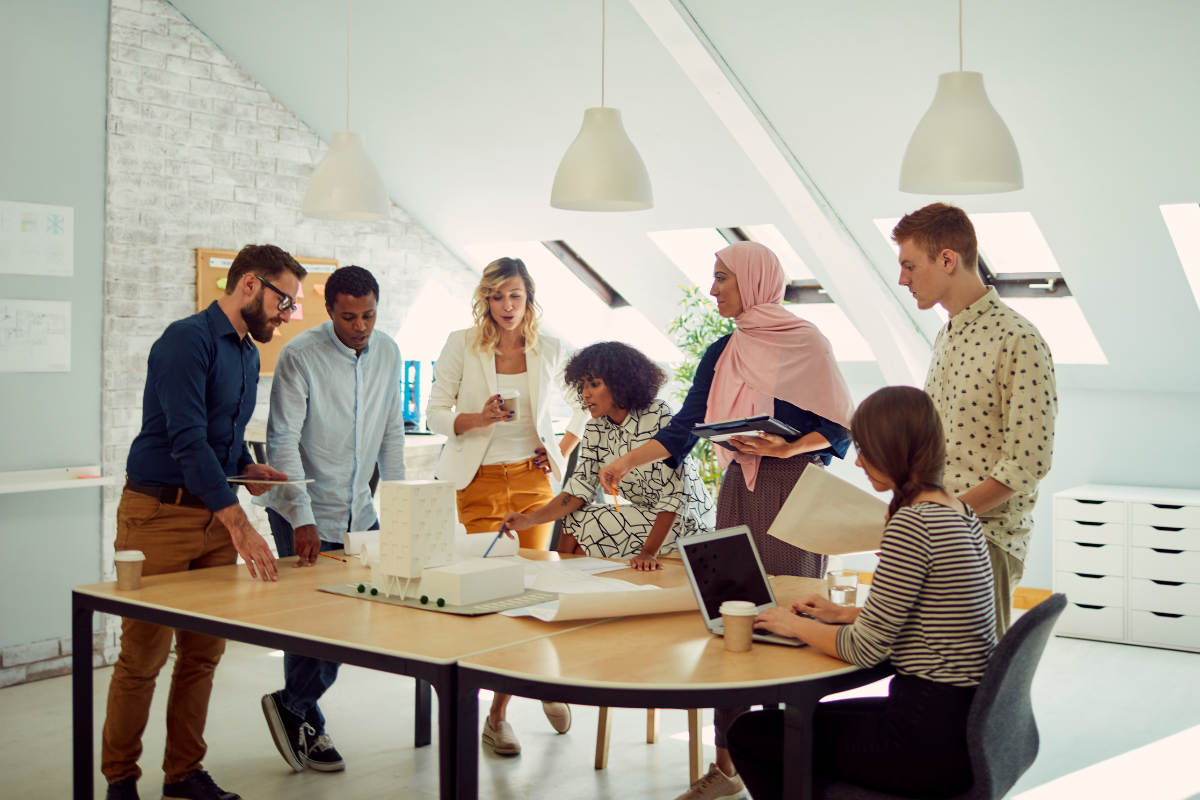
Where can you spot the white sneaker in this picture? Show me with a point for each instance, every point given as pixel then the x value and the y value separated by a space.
pixel 716 785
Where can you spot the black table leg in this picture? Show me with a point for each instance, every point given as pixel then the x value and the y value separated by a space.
pixel 798 746
pixel 423 724
pixel 447 690
pixel 467 734
pixel 81 699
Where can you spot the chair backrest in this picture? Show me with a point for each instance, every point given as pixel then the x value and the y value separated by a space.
pixel 1002 736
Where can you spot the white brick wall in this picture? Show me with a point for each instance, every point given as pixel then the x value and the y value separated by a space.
pixel 201 156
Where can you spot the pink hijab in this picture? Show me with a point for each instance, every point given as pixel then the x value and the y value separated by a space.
pixel 772 354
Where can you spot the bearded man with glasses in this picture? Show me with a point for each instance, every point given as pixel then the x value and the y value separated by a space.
pixel 180 511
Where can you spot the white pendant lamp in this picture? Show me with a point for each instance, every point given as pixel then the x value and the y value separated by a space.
pixel 346 185
pixel 961 145
pixel 602 170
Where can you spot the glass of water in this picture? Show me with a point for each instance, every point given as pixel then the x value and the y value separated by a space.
pixel 843 587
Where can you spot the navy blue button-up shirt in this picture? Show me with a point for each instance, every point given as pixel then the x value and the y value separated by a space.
pixel 201 388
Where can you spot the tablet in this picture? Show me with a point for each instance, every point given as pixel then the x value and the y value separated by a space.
pixel 720 432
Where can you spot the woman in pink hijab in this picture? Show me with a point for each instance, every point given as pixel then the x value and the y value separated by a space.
pixel 777 364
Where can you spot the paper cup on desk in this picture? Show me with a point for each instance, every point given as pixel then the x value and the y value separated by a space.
pixel 511 398
pixel 737 621
pixel 129 569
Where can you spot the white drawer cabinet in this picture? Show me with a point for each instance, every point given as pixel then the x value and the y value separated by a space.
pixel 1128 560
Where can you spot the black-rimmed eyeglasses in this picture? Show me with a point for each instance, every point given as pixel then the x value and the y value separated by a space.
pixel 286 303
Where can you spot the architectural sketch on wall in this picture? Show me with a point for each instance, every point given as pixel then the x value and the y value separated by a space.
pixel 416 531
pixel 37 239
pixel 35 336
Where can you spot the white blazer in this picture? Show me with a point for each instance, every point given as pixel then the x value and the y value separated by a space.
pixel 464 379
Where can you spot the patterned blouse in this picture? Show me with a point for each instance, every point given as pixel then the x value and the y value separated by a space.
pixel 992 380
pixel 653 488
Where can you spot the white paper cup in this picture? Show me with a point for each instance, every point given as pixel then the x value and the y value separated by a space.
pixel 737 619
pixel 511 398
pixel 129 569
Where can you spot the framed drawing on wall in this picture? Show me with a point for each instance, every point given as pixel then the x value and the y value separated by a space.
pixel 212 269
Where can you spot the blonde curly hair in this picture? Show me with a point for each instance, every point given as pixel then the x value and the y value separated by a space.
pixel 487 333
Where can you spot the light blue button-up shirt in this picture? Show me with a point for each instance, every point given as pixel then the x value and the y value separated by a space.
pixel 333 416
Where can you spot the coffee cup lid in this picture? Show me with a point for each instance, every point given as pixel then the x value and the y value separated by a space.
pixel 509 394
pixel 129 555
pixel 739 608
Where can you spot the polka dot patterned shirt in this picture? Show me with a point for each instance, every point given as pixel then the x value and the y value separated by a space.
pixel 992 380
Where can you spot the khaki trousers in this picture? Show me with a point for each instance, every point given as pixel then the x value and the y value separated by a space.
pixel 500 488
pixel 1007 571
pixel 174 539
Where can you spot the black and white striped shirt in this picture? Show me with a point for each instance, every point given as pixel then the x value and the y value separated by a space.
pixel 931 605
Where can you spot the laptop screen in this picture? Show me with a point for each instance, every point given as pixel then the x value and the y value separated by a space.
pixel 726 568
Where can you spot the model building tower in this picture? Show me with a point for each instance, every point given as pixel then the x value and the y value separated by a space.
pixel 416 530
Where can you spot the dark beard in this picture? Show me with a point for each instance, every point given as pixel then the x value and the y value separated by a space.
pixel 256 320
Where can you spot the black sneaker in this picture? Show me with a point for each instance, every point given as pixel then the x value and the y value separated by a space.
pixel 287 730
pixel 199 785
pixel 123 790
pixel 323 756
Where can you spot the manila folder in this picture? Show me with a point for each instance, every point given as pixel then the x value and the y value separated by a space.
pixel 825 514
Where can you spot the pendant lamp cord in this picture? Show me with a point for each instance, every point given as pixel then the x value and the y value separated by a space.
pixel 602 34
pixel 960 35
pixel 348 10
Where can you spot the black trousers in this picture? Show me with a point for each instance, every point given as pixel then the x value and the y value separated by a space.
pixel 910 743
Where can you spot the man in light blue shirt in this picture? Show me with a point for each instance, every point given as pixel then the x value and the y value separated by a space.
pixel 335 413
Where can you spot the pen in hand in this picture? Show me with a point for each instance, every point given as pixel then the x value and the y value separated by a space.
pixel 499 533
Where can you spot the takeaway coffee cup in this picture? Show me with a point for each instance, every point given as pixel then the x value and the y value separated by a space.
pixel 511 398
pixel 737 619
pixel 129 569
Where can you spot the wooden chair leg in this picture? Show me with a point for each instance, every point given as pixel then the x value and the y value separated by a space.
pixel 603 735
pixel 695 745
pixel 652 719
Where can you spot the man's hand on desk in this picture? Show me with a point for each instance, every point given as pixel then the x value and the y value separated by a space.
pixel 308 544
pixel 262 472
pixel 249 544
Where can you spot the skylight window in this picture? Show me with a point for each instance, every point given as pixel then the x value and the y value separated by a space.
pixel 693 250
pixel 573 309
pixel 770 236
pixel 1183 222
pixel 1015 258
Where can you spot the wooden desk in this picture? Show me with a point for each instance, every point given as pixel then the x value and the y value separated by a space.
pixel 660 661
pixel 292 615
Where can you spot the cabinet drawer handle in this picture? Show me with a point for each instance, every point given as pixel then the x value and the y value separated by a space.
pixel 1164 505
pixel 1086 575
pixel 1164 614
pixel 1087 544
pixel 1169 552
pixel 1091 502
pixel 1085 522
pixel 1161 528
pixel 1093 608
pixel 1167 583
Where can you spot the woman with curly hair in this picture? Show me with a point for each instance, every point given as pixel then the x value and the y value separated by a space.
pixel 618 386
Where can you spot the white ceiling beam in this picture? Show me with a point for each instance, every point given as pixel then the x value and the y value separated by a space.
pixel 900 347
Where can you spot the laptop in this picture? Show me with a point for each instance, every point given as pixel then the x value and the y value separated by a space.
pixel 724 565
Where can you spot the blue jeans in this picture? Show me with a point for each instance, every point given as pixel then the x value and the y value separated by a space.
pixel 305 679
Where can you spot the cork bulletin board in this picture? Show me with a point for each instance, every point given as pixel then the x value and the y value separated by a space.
pixel 212 268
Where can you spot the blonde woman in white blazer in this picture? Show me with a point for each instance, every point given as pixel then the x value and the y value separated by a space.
pixel 499 460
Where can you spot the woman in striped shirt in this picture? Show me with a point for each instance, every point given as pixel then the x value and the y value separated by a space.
pixel 930 610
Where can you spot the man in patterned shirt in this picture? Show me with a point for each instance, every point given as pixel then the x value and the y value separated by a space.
pixel 992 380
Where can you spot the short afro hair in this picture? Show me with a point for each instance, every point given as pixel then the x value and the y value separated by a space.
pixel 631 377
pixel 351 280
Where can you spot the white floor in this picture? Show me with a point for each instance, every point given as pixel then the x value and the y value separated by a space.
pixel 1094 702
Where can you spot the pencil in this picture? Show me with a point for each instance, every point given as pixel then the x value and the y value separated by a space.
pixel 616 502
pixel 335 558
pixel 493 544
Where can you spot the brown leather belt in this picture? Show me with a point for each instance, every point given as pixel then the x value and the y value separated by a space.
pixel 171 495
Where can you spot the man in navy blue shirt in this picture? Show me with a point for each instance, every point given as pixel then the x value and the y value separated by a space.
pixel 180 511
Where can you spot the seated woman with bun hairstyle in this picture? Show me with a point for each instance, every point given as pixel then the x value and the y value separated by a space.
pixel 618 387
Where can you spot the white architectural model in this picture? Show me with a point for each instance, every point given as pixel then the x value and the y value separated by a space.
pixel 416 530
pixel 416 554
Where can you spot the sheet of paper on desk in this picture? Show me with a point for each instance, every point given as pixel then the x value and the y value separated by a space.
pixel 825 514
pixel 571 582
pixel 600 605
pixel 593 566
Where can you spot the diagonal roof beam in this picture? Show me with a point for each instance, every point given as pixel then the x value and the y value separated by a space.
pixel 900 347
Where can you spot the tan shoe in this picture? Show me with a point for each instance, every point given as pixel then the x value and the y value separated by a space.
pixel 716 785
pixel 559 715
pixel 502 739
